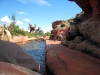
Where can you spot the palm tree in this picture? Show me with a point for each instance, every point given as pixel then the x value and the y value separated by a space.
pixel 32 28
pixel 13 18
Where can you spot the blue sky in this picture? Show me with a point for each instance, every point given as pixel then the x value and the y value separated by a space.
pixel 39 12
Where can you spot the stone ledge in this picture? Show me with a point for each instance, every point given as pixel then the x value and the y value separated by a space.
pixel 65 61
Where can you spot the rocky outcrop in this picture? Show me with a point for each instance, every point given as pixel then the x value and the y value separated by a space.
pixel 60 22
pixel 89 43
pixel 90 7
pixel 64 61
pixel 91 30
pixel 89 27
pixel 84 46
pixel 19 40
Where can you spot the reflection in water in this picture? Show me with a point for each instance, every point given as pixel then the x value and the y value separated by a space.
pixel 37 50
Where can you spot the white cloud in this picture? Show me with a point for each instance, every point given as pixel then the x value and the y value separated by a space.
pixel 21 12
pixel 26 19
pixel 42 2
pixel 39 2
pixel 19 22
pixel 47 29
pixel 6 19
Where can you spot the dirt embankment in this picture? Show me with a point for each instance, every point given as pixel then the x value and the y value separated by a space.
pixel 19 40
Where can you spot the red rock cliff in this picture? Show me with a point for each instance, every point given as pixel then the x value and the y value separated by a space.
pixel 89 28
pixel 90 7
pixel 55 23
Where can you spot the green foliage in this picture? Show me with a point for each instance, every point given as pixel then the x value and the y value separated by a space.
pixel 18 31
pixel 13 18
pixel 40 33
pixel 47 34
pixel 52 36
pixel 5 26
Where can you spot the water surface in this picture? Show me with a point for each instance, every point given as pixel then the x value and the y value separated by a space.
pixel 37 50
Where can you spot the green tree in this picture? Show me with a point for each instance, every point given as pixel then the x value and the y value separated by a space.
pixel 47 34
pixel 14 18
pixel 5 26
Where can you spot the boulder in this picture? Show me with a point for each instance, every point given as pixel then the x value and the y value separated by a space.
pixel 56 24
pixel 83 45
pixel 64 61
pixel 91 30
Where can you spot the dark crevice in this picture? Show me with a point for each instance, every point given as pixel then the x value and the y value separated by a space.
pixel 90 53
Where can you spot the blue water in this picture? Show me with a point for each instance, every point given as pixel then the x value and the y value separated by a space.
pixel 37 50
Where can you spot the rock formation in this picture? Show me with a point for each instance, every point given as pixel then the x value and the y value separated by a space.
pixel 60 22
pixel 85 25
pixel 89 27
pixel 65 60
pixel 90 7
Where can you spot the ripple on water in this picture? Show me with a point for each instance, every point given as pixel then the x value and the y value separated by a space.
pixel 37 50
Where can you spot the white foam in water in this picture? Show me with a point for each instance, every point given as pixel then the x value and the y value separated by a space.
pixel 37 50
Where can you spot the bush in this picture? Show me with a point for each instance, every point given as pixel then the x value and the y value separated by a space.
pixel 18 31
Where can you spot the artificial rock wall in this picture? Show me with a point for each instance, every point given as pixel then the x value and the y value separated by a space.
pixel 90 7
pixel 89 28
